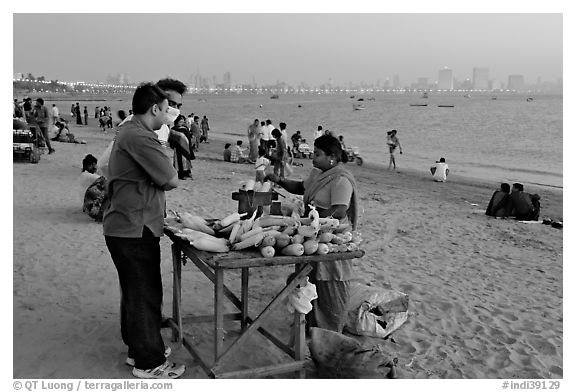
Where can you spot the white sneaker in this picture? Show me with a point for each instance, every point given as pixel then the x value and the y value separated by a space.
pixel 130 361
pixel 166 370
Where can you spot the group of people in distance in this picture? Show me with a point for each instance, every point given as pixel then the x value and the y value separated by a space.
pixel 517 204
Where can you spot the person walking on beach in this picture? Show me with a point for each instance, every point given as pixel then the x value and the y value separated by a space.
pixel 85 115
pixel 393 143
pixel 254 140
pixel 139 174
pixel 440 170
pixel 205 128
pixel 266 139
pixel 55 114
pixel 96 112
pixel 42 118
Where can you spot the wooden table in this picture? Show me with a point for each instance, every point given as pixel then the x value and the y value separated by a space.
pixel 213 266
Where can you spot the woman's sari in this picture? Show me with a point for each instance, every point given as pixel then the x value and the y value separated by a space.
pixel 179 140
pixel 333 280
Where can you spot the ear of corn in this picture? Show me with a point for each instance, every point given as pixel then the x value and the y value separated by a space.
pixel 195 222
pixel 248 242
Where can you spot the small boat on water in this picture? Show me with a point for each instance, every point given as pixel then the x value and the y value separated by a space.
pixel 445 106
pixel 358 106
pixel 425 95
pixel 494 98
pixel 360 99
pixel 418 104
pixel 529 99
pixel 274 96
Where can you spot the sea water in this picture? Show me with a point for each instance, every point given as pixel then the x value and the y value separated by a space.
pixel 509 138
pixel 494 137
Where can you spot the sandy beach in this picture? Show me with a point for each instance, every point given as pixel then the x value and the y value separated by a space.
pixel 486 295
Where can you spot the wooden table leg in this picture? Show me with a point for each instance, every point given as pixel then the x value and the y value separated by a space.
pixel 299 341
pixel 218 313
pixel 177 292
pixel 244 298
pixel 299 336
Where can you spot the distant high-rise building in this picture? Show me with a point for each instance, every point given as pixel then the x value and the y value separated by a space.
pixel 480 77
pixel 227 80
pixel 516 82
pixel 422 83
pixel 445 81
pixel 396 82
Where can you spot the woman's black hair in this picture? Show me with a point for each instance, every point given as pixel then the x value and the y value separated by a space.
pixel 276 133
pixel 180 117
pixel 331 147
pixel 227 145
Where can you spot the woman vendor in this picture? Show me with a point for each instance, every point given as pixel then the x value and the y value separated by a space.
pixel 332 190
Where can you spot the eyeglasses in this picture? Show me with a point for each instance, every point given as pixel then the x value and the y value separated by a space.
pixel 174 104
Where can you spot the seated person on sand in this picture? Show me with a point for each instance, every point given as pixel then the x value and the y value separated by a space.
pixel 92 188
pixel 63 134
pixel 440 170
pixel 227 152
pixel 524 205
pixel 500 204
pixel 238 154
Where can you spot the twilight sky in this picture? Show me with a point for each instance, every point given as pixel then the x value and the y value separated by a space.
pixel 288 47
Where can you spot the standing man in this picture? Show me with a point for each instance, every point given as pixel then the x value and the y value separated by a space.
pixel 266 140
pixel 284 133
pixel 55 114
pixel 175 89
pixel 42 118
pixel 205 128
pixel 139 174
pixel 27 106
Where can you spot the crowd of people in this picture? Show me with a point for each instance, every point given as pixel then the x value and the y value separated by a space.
pixel 153 151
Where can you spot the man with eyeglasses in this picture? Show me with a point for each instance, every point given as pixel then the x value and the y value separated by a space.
pixel 174 89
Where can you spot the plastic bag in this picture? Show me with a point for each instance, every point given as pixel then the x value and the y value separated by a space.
pixel 339 356
pixel 375 312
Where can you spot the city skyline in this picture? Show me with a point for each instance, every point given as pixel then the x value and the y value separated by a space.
pixel 373 46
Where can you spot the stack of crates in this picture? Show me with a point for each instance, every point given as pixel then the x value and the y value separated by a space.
pixel 25 145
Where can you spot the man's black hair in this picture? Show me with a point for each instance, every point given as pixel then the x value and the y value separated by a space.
pixel 172 84
pixel 227 145
pixel 146 96
pixel 88 161
pixel 505 187
pixel 518 186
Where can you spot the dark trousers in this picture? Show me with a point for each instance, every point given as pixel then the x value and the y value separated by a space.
pixel 44 131
pixel 137 261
